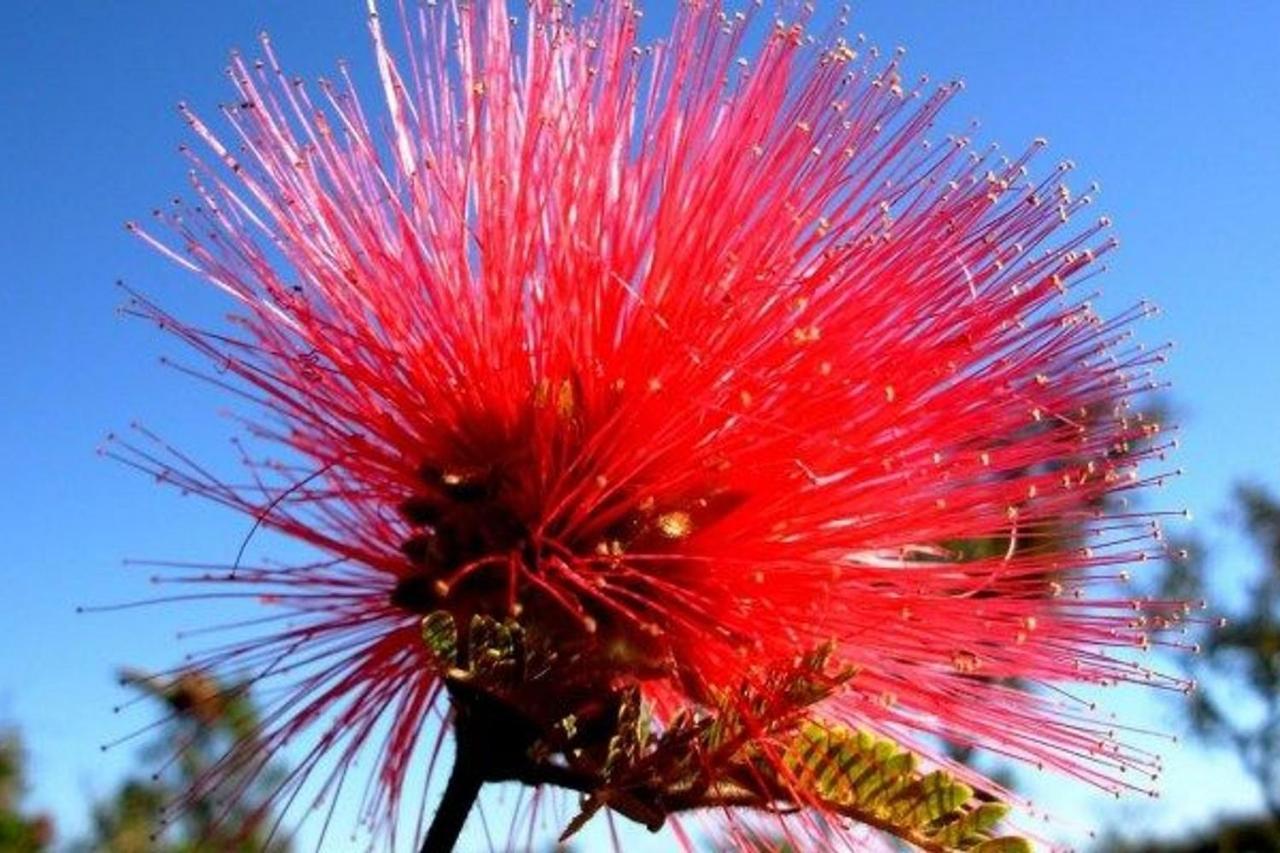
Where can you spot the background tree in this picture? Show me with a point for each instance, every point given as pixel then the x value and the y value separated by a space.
pixel 207 723
pixel 1237 703
pixel 1243 653
pixel 19 832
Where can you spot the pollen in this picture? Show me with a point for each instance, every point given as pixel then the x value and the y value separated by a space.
pixel 676 524
pixel 806 334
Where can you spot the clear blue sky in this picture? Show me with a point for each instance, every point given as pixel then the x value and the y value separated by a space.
pixel 1174 108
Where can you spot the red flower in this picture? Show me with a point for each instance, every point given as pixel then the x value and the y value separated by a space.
pixel 690 362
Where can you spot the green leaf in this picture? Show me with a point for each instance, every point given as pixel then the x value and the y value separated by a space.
pixel 974 823
pixel 1007 844
pixel 440 633
pixel 931 798
pixel 497 651
pixel 630 738
pixel 873 780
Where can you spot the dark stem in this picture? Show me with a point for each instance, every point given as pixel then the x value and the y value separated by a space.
pixel 491 744
pixel 459 796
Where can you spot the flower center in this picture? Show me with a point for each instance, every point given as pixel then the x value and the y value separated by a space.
pixel 471 552
pixel 464 541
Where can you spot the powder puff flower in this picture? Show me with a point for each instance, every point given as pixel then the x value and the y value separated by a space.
pixel 711 412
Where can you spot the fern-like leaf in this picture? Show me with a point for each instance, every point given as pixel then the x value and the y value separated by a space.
pixel 873 780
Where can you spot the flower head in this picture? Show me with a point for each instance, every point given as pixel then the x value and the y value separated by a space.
pixel 687 358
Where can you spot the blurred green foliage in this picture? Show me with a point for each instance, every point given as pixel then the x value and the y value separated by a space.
pixel 1236 705
pixel 19 832
pixel 174 810
pixel 1238 668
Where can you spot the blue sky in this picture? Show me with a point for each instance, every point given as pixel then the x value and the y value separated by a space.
pixel 1174 108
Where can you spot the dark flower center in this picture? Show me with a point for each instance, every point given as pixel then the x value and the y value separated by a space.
pixel 462 532
pixel 472 553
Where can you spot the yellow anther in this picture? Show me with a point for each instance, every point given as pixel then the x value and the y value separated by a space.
pixel 676 524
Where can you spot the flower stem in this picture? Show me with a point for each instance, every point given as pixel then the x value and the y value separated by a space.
pixel 459 796
pixel 491 744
